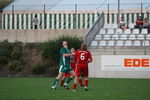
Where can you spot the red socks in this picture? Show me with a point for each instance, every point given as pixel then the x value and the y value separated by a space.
pixel 86 82
pixel 62 82
pixel 74 86
pixel 80 81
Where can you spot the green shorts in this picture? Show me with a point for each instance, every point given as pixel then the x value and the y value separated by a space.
pixel 65 69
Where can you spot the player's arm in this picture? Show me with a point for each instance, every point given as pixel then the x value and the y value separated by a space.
pixel 72 58
pixel 64 53
pixel 67 55
pixel 90 59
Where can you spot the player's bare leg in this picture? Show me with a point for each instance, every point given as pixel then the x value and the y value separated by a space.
pixel 86 82
pixel 66 85
pixel 57 80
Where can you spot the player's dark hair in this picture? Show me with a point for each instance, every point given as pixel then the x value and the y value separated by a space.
pixel 83 46
pixel 62 42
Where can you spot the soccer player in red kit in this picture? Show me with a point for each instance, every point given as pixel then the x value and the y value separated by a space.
pixel 82 58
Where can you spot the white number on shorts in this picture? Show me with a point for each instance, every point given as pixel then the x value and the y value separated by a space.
pixel 82 57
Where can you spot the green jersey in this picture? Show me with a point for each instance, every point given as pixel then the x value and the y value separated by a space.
pixel 65 61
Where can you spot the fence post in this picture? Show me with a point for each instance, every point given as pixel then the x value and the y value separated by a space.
pixel 13 11
pixel 142 10
pixel 118 10
pixel 44 18
pixel 108 14
pixel 75 8
pixel 76 15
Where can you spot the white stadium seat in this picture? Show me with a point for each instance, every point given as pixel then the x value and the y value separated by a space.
pixel 118 31
pixel 106 37
pixel 107 26
pixel 136 31
pixel 115 37
pixel 119 43
pixel 102 43
pixel 140 37
pixel 123 37
pixel 110 31
pixel 144 31
pixel 148 37
pixel 127 31
pixel 114 26
pixel 111 43
pixel 131 25
pixel 145 43
pixel 137 43
pixel 128 43
pixel 94 43
pixel 132 37
pixel 98 37
pixel 102 31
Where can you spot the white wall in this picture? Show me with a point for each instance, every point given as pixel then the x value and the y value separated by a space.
pixel 31 36
pixel 95 70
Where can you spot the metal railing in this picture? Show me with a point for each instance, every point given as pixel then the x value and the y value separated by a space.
pixel 89 36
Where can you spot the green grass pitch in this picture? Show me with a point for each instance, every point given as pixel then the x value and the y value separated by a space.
pixel 100 89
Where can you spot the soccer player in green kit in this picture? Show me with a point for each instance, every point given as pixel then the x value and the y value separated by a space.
pixel 65 56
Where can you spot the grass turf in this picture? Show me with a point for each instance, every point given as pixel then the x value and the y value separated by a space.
pixel 100 89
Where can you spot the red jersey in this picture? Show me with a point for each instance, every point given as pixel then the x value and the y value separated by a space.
pixel 73 63
pixel 139 22
pixel 82 57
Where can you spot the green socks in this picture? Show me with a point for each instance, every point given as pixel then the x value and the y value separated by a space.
pixel 55 83
pixel 69 80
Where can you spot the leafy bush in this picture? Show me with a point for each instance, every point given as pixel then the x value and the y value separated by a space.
pixel 16 53
pixel 54 70
pixel 5 52
pixel 47 64
pixel 39 69
pixel 3 60
pixel 4 56
pixel 51 48
pixel 12 50
pixel 19 68
pixel 6 45
pixel 15 66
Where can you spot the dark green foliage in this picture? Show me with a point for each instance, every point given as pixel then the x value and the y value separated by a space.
pixel 15 66
pixel 51 48
pixel 39 69
pixel 3 60
pixel 47 64
pixel 16 53
pixel 4 56
pixel 6 45
pixel 55 70
pixel 9 51
pixel 16 56
pixel 19 68
pixel 5 53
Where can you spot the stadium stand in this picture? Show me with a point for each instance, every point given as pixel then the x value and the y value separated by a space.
pixel 129 41
pixel 129 37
